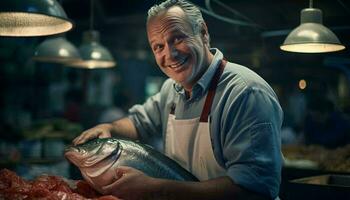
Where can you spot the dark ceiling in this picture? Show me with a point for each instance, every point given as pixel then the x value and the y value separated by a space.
pixel 269 15
pixel 122 27
pixel 122 24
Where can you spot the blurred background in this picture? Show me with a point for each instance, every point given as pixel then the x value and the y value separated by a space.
pixel 45 105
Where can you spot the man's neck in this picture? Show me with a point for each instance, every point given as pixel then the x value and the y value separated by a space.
pixel 188 94
pixel 188 87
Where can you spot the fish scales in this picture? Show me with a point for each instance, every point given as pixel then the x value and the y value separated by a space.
pixel 97 160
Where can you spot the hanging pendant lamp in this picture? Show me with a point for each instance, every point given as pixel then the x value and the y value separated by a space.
pixel 26 18
pixel 94 55
pixel 311 36
pixel 56 49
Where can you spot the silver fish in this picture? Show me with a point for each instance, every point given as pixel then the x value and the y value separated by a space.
pixel 98 158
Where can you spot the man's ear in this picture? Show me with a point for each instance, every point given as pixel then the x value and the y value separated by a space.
pixel 204 32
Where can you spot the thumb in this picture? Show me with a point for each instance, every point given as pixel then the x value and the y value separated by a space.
pixel 109 197
pixel 104 135
pixel 121 170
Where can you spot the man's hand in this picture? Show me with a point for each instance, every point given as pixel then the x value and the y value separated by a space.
pixel 131 184
pixel 99 131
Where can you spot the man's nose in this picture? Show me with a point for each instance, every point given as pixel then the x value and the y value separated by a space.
pixel 171 52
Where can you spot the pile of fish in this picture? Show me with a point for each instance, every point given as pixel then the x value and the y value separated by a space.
pixel 97 160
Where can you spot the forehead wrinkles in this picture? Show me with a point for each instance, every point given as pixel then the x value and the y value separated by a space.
pixel 170 23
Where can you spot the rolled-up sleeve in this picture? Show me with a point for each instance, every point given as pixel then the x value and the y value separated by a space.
pixel 149 118
pixel 251 141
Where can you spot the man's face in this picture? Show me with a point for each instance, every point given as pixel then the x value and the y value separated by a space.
pixel 179 52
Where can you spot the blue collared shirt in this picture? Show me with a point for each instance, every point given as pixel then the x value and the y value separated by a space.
pixel 245 123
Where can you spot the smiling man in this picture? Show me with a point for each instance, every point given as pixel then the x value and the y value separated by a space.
pixel 181 50
pixel 219 120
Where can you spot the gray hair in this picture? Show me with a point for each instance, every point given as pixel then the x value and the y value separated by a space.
pixel 192 12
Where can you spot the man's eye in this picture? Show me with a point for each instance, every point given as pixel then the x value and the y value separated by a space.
pixel 157 47
pixel 178 40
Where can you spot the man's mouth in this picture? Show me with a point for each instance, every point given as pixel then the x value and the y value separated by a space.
pixel 178 64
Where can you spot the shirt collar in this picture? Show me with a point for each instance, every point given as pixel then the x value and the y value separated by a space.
pixel 203 83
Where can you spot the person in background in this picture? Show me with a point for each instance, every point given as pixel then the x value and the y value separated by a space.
pixel 325 125
pixel 219 120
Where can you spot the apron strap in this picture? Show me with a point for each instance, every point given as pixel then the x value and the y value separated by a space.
pixel 211 92
pixel 172 109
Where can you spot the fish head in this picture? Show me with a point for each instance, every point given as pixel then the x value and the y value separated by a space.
pixel 92 152
pixel 96 160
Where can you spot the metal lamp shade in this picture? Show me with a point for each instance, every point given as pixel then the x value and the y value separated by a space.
pixel 56 50
pixel 26 18
pixel 93 54
pixel 311 36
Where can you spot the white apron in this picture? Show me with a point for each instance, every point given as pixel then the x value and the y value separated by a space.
pixel 188 141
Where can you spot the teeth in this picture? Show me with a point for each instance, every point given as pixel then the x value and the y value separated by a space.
pixel 178 64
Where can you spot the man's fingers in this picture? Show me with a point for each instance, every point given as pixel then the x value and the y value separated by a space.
pixel 86 135
pixel 104 136
pixel 120 172
pixel 109 197
pixel 112 188
pixel 101 131
pixel 122 169
pixel 78 140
